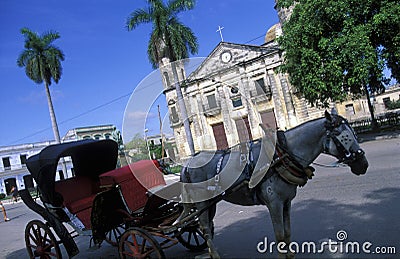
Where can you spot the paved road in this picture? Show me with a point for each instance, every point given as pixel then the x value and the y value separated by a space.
pixel 366 207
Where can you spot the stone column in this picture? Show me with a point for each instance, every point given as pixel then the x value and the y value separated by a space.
pixel 276 98
pixel 288 101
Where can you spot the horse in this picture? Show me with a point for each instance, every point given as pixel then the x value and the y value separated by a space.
pixel 295 151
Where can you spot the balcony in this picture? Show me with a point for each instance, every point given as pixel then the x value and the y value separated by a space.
pixel 174 121
pixel 260 96
pixel 212 110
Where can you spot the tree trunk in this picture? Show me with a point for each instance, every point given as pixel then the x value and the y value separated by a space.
pixel 52 115
pixel 374 124
pixel 182 107
pixel 54 124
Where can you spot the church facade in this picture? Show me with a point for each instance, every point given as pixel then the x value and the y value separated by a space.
pixel 231 92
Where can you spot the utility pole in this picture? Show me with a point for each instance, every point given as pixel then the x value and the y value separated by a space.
pixel 161 133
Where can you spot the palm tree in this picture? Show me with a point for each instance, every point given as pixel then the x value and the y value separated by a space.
pixel 169 39
pixel 42 62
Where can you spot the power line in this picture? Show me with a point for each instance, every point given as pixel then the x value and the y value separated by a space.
pixel 263 35
pixel 75 117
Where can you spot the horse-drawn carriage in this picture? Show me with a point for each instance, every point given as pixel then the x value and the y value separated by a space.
pixel 119 206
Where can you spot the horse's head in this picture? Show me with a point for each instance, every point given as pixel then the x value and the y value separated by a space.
pixel 341 142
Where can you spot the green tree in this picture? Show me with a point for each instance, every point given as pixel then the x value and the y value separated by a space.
pixel 138 147
pixel 169 39
pixel 336 48
pixel 42 62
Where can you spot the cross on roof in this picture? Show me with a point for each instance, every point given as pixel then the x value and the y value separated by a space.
pixel 220 32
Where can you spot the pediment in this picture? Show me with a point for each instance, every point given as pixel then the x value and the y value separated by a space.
pixel 228 56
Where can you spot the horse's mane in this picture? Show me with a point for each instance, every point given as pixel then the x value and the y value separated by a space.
pixel 305 123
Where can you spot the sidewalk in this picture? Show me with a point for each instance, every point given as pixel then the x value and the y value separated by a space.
pixel 363 137
pixel 171 178
pixel 10 201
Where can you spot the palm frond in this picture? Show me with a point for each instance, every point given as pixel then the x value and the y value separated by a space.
pixel 49 37
pixel 41 59
pixel 138 17
pixel 169 38
pixel 176 6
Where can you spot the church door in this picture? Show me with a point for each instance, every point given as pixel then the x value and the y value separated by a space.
pixel 268 119
pixel 220 136
pixel 243 129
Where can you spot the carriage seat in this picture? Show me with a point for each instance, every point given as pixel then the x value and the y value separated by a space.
pixel 134 180
pixel 78 194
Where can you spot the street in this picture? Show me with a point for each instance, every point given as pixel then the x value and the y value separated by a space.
pixel 365 208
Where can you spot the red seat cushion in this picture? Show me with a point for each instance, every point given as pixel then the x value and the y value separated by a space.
pixel 81 204
pixel 76 188
pixel 147 173
pixel 116 176
pixel 78 194
pixel 134 179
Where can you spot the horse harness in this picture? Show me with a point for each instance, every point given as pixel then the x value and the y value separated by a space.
pixel 343 139
pixel 284 162
pixel 286 165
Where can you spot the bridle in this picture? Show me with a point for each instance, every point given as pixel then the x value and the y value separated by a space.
pixel 343 136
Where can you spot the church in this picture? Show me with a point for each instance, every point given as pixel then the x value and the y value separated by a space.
pixel 234 89
pixel 237 87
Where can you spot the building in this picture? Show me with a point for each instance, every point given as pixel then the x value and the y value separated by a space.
pixel 239 86
pixel 93 132
pixel 13 170
pixel 236 88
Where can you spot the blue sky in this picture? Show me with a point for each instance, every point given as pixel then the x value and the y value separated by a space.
pixel 104 62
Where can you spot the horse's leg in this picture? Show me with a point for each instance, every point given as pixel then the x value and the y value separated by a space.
pixel 286 225
pixel 207 226
pixel 273 193
pixel 275 208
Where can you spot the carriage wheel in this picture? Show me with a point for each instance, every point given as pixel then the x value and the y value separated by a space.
pixel 40 241
pixel 112 236
pixel 138 243
pixel 192 238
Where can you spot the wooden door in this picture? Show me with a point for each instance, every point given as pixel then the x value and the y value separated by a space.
pixel 243 129
pixel 220 136
pixel 268 119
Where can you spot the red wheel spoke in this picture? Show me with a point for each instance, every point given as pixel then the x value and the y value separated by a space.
pixel 40 241
pixel 135 243
pixel 138 243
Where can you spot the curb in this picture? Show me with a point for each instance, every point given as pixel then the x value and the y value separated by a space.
pixel 9 201
pixel 378 136
pixel 169 178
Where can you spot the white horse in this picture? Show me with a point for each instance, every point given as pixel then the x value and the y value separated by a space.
pixel 290 168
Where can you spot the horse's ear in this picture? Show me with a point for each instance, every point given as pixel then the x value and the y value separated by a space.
pixel 328 116
pixel 334 111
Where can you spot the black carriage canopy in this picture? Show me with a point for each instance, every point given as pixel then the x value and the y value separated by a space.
pixel 89 158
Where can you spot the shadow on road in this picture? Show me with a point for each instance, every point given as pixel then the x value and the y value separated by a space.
pixel 17 254
pixel 374 219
